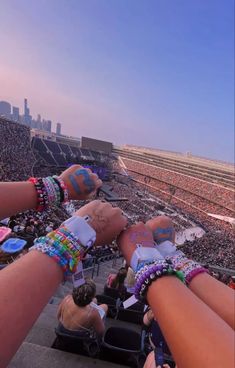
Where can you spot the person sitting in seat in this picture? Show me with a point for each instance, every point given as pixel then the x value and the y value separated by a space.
pixel 79 314
pixel 130 281
pixel 117 281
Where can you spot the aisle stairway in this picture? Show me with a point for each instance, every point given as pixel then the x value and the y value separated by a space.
pixel 36 351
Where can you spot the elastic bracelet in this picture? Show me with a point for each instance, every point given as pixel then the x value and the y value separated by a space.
pixel 42 197
pixel 150 273
pixel 50 190
pixel 188 267
pixel 60 189
pixel 64 250
pixel 56 188
pixel 52 197
pixel 63 188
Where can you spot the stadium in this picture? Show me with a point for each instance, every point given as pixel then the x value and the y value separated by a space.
pixel 195 192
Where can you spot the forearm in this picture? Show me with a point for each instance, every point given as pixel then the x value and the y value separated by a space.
pixel 196 336
pixel 16 197
pixel 25 287
pixel 219 297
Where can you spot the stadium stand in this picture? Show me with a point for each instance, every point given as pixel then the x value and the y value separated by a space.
pixel 163 186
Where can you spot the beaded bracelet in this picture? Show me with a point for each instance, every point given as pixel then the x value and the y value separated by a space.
pixel 50 190
pixel 151 272
pixel 56 190
pixel 188 267
pixel 63 187
pixel 42 196
pixel 62 247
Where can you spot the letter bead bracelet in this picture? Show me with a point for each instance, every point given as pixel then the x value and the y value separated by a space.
pixel 63 247
pixel 50 190
pixel 151 272
pixel 188 267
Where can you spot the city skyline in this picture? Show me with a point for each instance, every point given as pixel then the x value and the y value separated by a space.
pixel 13 113
pixel 131 72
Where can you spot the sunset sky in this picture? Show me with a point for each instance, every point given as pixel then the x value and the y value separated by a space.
pixel 156 73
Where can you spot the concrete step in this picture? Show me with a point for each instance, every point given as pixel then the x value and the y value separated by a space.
pixel 42 332
pixel 34 356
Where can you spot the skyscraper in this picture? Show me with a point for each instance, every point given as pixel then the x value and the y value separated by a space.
pixel 27 116
pixel 5 109
pixel 49 123
pixel 15 113
pixel 58 128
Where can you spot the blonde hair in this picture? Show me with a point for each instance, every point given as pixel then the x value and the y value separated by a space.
pixel 130 278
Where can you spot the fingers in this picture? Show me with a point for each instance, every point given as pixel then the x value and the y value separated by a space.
pixel 162 228
pixel 150 361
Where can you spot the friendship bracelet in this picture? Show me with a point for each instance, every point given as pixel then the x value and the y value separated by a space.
pixel 152 272
pixel 50 190
pixel 188 267
pixel 61 246
pixel 63 187
pixel 42 196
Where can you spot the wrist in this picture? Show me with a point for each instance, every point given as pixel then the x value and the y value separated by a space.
pixel 166 248
pixel 79 227
pixel 49 190
pixel 142 256
pixel 152 272
pixel 188 267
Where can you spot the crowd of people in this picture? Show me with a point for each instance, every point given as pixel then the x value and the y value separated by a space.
pixel 145 198
pixel 80 312
pixel 16 156
pixel 216 247
pixel 215 193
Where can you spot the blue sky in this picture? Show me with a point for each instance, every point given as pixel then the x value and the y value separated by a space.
pixel 156 73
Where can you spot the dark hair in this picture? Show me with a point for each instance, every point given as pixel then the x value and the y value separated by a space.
pixel 84 294
pixel 119 279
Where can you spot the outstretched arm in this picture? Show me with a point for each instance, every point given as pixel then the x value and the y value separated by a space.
pixel 17 197
pixel 25 287
pixel 27 284
pixel 219 297
pixel 197 336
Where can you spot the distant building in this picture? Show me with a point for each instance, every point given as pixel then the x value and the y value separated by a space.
pixel 49 124
pixel 27 116
pixel 5 109
pixel 46 125
pixel 16 114
pixel 58 128
pixel 96 145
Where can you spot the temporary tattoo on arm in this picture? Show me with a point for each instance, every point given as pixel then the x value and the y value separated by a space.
pixel 87 182
pixel 163 234
pixel 98 221
pixel 75 184
pixel 141 237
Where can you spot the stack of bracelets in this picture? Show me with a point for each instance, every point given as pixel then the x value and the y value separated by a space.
pixel 50 190
pixel 151 272
pixel 62 246
pixel 177 265
pixel 188 267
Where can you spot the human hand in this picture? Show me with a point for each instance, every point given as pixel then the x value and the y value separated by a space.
pixel 106 220
pixel 150 362
pixel 135 234
pixel 81 182
pixel 162 228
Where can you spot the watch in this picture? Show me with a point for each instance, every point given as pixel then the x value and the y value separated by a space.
pixel 82 231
